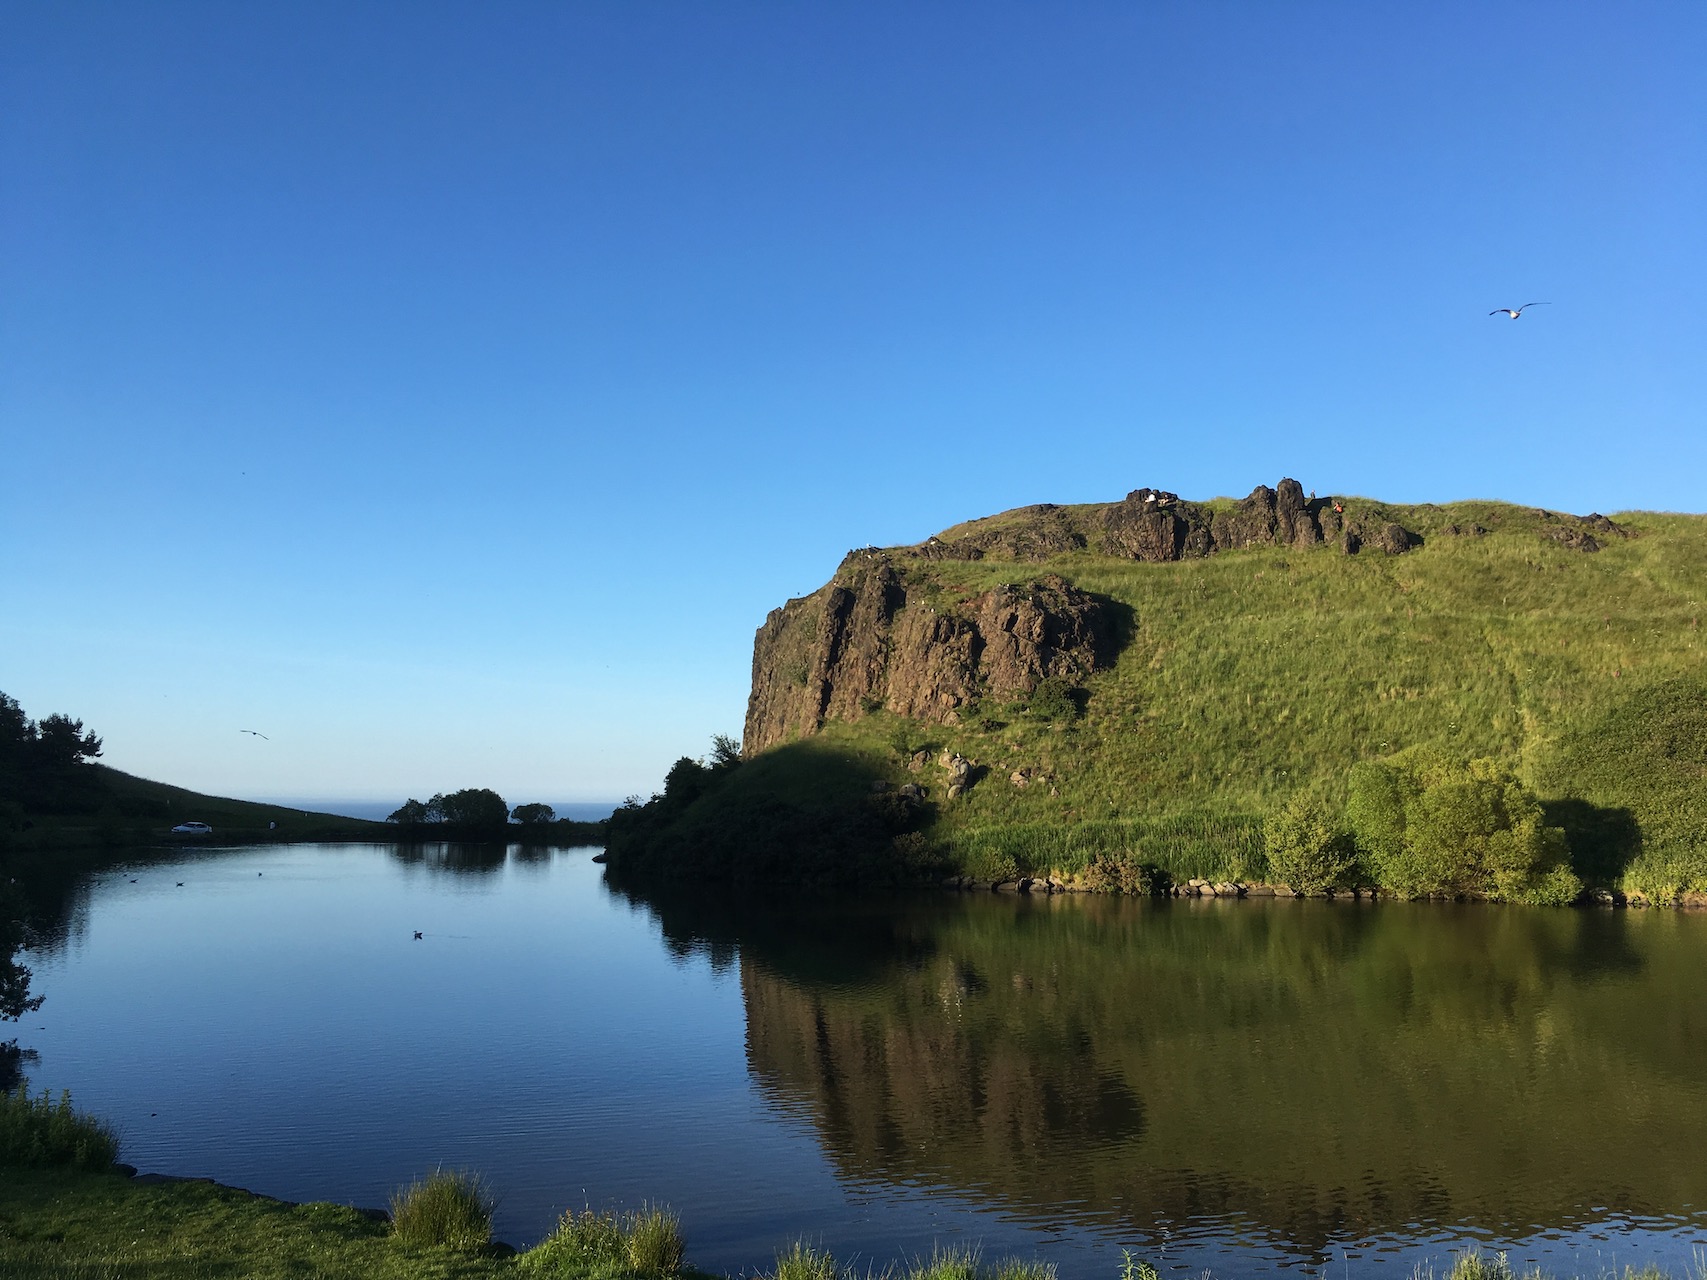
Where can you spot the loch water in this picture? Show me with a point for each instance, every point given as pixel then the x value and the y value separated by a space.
pixel 1252 1087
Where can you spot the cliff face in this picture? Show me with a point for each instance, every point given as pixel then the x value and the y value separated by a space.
pixel 859 643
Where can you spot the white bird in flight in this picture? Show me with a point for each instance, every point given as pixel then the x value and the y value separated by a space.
pixel 258 735
pixel 1507 311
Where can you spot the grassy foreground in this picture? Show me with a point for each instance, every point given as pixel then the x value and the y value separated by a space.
pixel 68 1213
pixel 63 1224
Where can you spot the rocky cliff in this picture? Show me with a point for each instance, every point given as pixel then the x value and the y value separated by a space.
pixel 862 642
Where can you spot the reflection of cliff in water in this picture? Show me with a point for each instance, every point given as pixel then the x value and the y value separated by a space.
pixel 1319 1072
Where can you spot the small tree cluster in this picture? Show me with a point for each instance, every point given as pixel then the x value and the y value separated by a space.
pixel 1429 826
pixel 470 807
pixel 688 778
pixel 1309 849
pixel 58 742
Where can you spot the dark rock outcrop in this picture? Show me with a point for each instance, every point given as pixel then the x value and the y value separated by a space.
pixel 1155 525
pixel 1577 533
pixel 858 644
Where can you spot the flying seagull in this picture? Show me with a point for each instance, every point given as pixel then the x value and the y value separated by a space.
pixel 1507 311
pixel 258 735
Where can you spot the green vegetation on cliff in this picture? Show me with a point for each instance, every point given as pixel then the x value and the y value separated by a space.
pixel 1219 660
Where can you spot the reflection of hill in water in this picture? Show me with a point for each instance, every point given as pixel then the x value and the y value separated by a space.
pixel 1318 1071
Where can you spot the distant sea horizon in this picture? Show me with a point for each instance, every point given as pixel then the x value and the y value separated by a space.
pixel 379 810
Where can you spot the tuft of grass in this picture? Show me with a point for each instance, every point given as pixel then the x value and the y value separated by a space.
pixel 41 1133
pixel 448 1209
pixel 800 1261
pixel 1021 1269
pixel 1473 1264
pixel 643 1243
pixel 946 1264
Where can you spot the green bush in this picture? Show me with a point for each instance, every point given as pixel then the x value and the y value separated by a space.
pixel 992 866
pixel 646 1243
pixel 1308 847
pixel 1054 699
pixel 38 1132
pixel 449 1209
pixel 1429 826
pixel 1122 873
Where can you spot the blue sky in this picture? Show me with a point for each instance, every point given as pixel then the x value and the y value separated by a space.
pixel 448 390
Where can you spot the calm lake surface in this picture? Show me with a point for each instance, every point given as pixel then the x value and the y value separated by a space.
pixel 1246 1086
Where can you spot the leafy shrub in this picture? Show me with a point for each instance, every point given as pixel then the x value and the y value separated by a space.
pixel 39 1132
pixel 991 866
pixel 646 1243
pixel 1122 873
pixel 449 1209
pixel 1054 699
pixel 916 856
pixel 1308 847
pixel 1430 826
pixel 1663 877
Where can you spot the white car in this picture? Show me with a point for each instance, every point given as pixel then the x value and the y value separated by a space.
pixel 192 829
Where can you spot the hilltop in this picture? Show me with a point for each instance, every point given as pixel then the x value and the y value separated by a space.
pixel 1154 678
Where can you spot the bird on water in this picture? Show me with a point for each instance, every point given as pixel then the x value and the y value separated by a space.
pixel 1514 314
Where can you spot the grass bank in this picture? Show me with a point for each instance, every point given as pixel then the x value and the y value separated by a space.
pixel 68 1213
pixel 67 1225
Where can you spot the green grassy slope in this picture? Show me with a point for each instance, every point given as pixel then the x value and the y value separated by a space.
pixel 94 805
pixel 1252 674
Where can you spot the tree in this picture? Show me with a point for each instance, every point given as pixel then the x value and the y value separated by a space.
pixel 685 781
pixel 530 815
pixel 472 807
pixel 412 813
pixel 62 742
pixel 17 731
pixel 1432 826
pixel 1308 847
pixel 725 751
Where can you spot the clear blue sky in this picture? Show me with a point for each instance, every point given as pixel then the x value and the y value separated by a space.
pixel 448 391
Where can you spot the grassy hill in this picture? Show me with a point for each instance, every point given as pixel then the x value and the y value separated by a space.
pixel 92 805
pixel 1247 677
